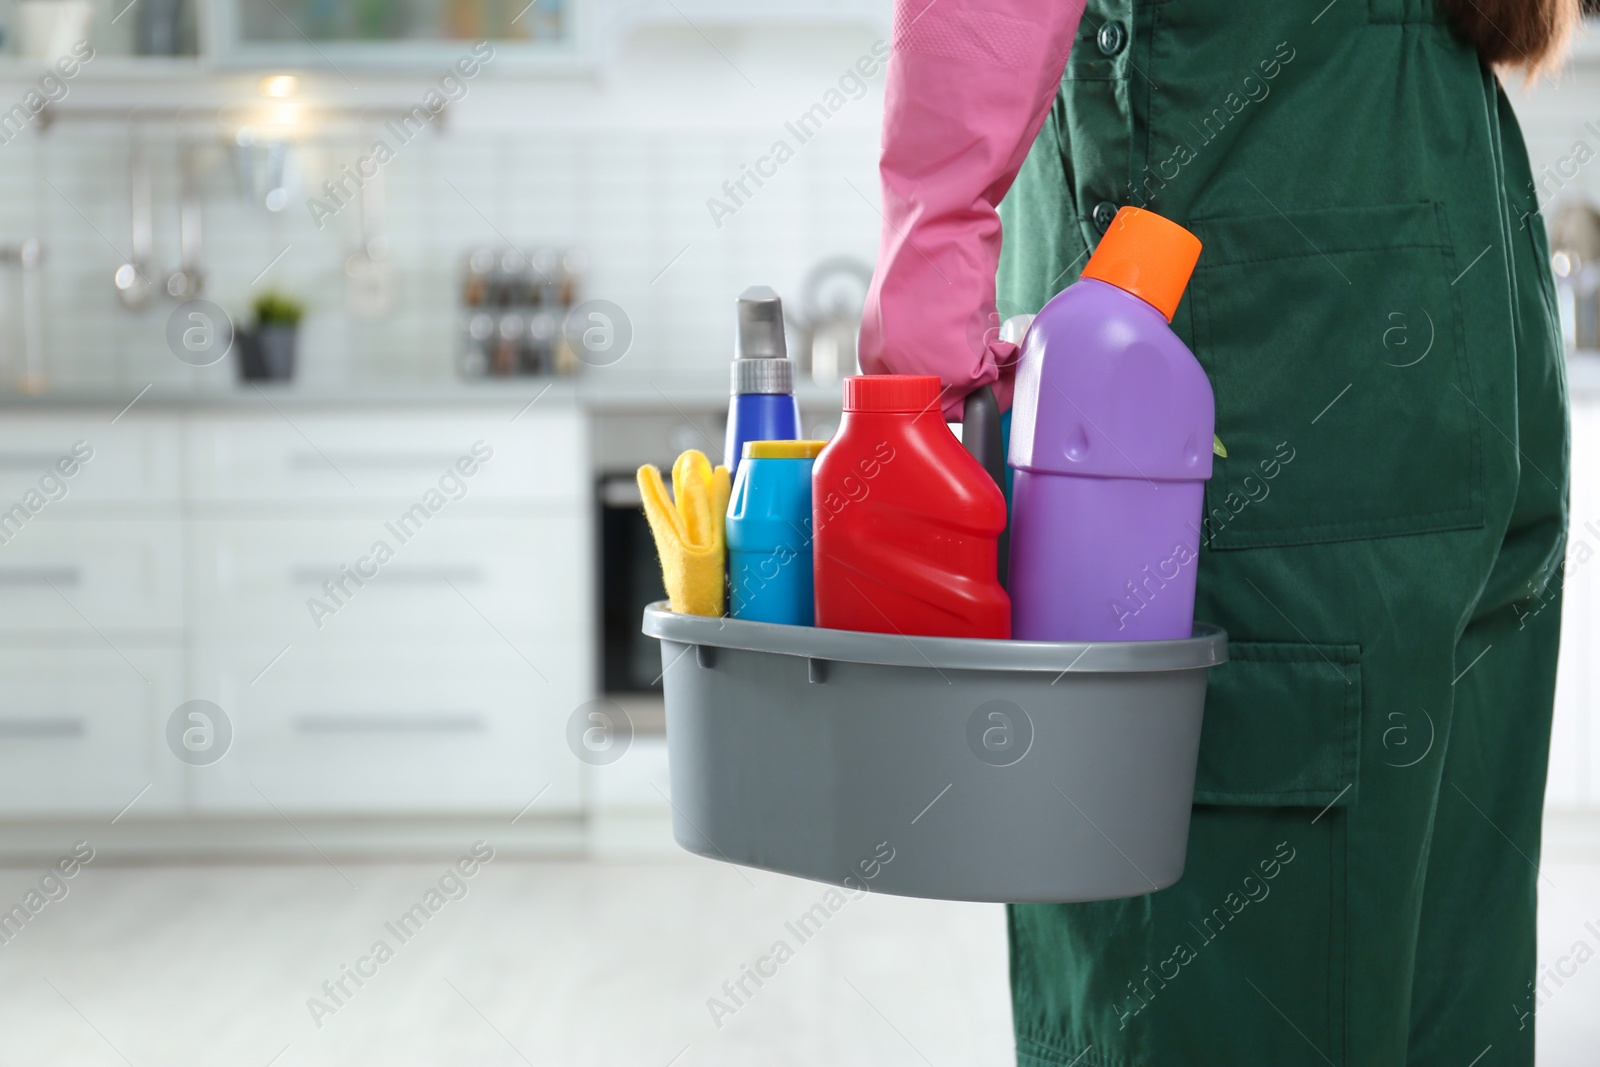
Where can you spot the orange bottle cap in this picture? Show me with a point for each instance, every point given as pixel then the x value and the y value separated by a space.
pixel 1148 256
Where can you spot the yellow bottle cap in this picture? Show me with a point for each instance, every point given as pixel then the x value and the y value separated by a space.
pixel 782 449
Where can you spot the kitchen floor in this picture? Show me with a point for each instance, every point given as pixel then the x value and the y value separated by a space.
pixel 550 963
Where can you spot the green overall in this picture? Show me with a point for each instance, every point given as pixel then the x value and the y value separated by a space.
pixel 1382 542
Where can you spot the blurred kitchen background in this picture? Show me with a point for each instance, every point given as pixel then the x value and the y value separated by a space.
pixel 257 341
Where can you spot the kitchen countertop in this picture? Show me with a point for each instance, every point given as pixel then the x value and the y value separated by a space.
pixel 700 392
pixel 597 391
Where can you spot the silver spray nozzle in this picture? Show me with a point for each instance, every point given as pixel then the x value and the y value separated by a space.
pixel 760 325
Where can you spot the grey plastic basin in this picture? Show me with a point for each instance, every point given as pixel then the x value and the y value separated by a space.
pixel 934 767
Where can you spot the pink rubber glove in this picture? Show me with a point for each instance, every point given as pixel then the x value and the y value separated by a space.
pixel 967 90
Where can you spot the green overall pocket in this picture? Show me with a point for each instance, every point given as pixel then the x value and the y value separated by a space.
pixel 1282 726
pixel 1335 345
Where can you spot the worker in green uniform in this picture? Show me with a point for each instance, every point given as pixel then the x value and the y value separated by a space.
pixel 1384 538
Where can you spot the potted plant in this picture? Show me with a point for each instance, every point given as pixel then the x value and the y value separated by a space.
pixel 267 350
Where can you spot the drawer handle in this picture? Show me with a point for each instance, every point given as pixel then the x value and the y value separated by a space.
pixel 309 575
pixel 41 727
pixel 389 723
pixel 40 575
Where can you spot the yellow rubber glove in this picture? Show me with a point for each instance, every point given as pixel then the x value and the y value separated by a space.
pixel 688 531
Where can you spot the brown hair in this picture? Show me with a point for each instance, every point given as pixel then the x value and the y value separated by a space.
pixel 1526 35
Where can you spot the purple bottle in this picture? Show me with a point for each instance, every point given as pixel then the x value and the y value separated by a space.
pixel 1111 442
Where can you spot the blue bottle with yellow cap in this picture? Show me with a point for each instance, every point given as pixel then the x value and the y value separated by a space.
pixel 769 533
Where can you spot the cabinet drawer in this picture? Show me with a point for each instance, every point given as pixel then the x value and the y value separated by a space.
pixel 454 581
pixel 56 465
pixel 82 731
pixel 404 729
pixel 72 578
pixel 347 457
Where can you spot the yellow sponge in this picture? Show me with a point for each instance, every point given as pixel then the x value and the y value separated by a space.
pixel 688 531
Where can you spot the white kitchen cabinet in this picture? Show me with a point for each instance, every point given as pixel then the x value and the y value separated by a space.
pixel 83 728
pixel 394 728
pixel 425 35
pixel 305 458
pixel 79 578
pixel 1575 737
pixel 455 580
pixel 437 679
pixel 132 462
pixel 91 613
pixel 177 562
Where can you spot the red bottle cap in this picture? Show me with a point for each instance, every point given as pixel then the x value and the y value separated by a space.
pixel 892 392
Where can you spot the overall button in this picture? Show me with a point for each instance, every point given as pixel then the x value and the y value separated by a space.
pixel 1111 38
pixel 1104 212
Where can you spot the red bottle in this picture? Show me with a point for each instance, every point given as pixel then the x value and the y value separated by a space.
pixel 906 522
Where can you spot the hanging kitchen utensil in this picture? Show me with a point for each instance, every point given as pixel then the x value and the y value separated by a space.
pixel 277 195
pixel 264 169
pixel 29 255
pixel 133 279
pixel 831 299
pixel 368 272
pixel 188 281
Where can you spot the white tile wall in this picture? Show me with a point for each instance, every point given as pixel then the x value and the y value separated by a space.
pixel 627 183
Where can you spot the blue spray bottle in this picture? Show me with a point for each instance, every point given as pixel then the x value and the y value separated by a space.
pixel 762 406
